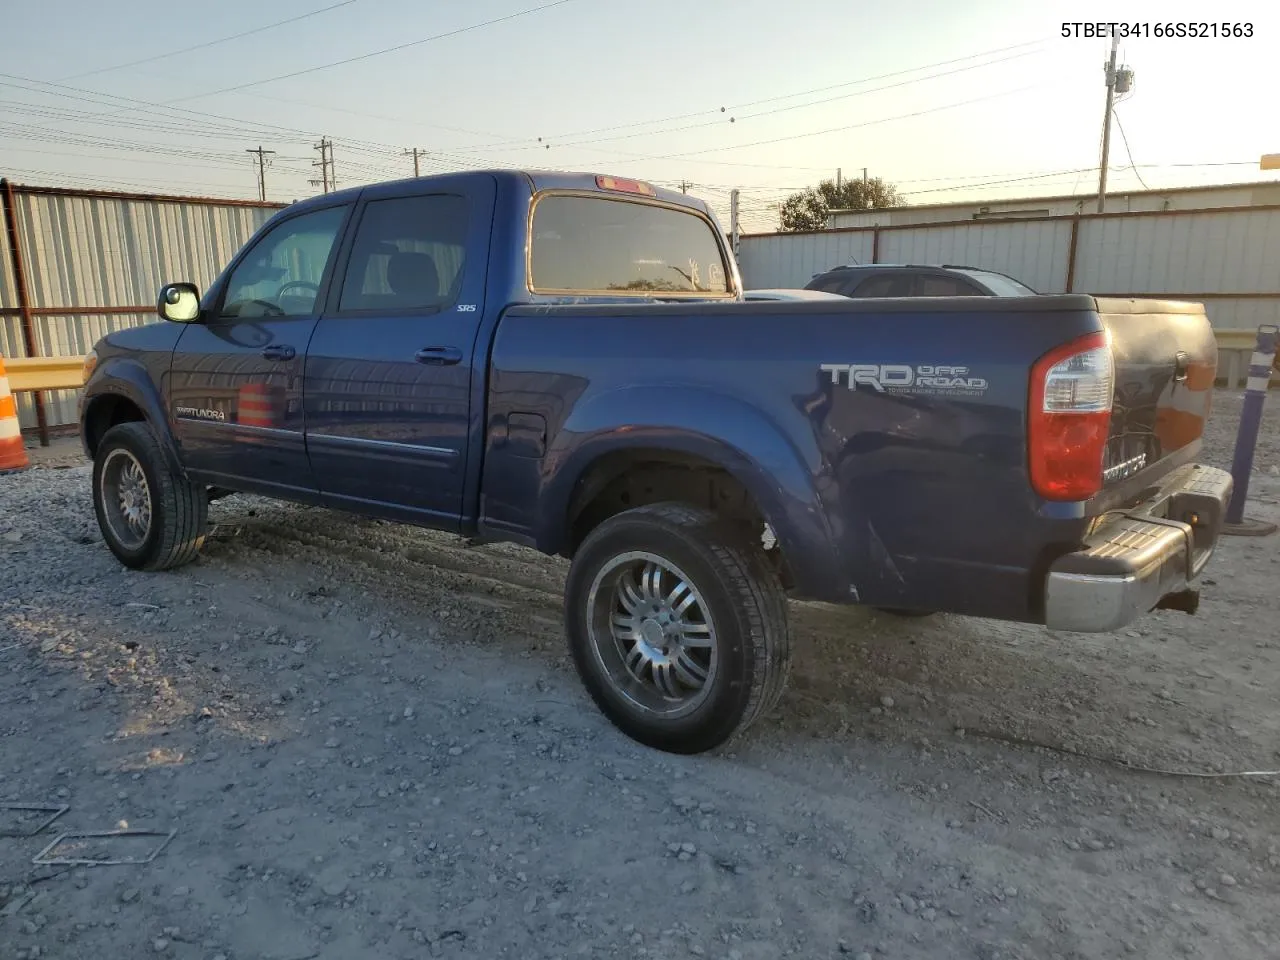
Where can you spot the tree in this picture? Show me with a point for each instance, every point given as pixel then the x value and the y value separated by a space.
pixel 809 209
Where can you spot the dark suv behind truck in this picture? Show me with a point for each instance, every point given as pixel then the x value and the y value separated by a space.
pixel 876 280
pixel 566 361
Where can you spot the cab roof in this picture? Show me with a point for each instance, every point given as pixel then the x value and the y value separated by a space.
pixel 534 181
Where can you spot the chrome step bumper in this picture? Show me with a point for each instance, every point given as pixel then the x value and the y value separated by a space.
pixel 1146 559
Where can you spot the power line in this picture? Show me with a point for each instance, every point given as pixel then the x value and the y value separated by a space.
pixel 854 126
pixel 1133 166
pixel 801 106
pixel 375 53
pixel 209 43
pixel 755 103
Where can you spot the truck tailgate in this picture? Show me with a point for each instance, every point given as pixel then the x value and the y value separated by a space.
pixel 1165 360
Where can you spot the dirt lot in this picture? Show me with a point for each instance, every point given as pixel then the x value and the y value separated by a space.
pixel 371 744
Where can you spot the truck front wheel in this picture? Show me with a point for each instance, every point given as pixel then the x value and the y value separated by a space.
pixel 677 626
pixel 151 518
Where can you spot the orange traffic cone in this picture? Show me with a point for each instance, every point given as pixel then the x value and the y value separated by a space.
pixel 13 455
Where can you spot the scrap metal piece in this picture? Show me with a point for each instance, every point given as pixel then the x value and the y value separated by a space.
pixel 54 811
pixel 44 857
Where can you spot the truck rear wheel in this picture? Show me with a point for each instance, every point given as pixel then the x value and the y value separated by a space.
pixel 677 626
pixel 151 518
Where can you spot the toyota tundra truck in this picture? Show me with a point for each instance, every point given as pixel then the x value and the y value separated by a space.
pixel 567 361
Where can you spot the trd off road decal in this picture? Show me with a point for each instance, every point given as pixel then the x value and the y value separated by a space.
pixel 923 380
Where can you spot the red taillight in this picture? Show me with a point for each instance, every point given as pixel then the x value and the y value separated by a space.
pixel 1070 417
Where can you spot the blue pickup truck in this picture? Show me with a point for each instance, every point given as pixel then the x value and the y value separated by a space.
pixel 568 362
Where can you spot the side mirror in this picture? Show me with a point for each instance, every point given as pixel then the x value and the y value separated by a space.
pixel 179 302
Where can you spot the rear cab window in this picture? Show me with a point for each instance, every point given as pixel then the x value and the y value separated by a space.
pixel 593 245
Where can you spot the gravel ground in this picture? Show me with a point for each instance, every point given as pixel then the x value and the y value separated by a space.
pixel 371 744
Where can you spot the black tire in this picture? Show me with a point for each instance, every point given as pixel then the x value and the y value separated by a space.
pixel 745 620
pixel 178 509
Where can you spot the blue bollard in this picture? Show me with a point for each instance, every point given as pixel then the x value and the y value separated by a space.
pixel 1264 355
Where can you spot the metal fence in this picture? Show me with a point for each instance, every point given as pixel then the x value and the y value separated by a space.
pixel 1228 258
pixel 78 264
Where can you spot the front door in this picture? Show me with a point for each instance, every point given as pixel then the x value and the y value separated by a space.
pixel 236 379
pixel 388 397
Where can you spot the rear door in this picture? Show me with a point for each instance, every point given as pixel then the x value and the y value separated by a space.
pixel 388 372
pixel 236 376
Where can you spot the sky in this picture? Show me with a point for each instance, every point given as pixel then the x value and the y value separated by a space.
pixel 946 100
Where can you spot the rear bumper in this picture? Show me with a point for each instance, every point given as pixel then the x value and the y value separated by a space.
pixel 1146 558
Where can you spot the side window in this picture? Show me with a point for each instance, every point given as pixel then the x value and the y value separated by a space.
pixel 884 285
pixel 280 277
pixel 409 254
pixel 833 283
pixel 929 285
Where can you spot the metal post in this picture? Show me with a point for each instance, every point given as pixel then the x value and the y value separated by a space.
pixel 415 153
pixel 24 301
pixel 1106 122
pixel 262 171
pixel 1071 253
pixel 1264 355
pixel 733 221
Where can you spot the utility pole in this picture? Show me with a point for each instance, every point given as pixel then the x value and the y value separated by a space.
pixel 327 180
pixel 864 174
pixel 684 186
pixel 415 152
pixel 1106 121
pixel 733 221
pixel 262 171
pixel 839 180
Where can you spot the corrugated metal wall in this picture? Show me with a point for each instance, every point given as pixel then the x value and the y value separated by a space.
pixel 777 260
pixel 1035 253
pixel 1177 254
pixel 87 251
pixel 82 249
pixel 1236 251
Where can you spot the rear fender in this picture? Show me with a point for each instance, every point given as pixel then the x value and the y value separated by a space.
pixel 121 377
pixel 781 479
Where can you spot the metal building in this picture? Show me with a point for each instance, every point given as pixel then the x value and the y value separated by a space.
pixel 77 264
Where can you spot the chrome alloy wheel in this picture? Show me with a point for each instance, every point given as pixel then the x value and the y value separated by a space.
pixel 651 631
pixel 126 498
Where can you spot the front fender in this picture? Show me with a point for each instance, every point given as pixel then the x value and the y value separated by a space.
pixel 126 378
pixel 780 472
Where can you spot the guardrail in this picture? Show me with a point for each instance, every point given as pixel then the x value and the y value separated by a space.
pixel 44 373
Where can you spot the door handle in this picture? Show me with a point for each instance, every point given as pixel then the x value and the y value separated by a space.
pixel 439 356
pixel 279 351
